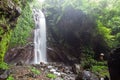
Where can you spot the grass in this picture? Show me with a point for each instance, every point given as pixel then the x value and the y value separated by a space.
pixel 51 76
pixel 34 70
pixel 10 78
pixel 101 70
pixel 4 65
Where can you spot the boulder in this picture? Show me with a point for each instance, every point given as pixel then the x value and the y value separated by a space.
pixel 76 68
pixel 4 75
pixel 86 75
pixel 18 54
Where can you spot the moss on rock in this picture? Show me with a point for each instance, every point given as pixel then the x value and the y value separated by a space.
pixel 9 12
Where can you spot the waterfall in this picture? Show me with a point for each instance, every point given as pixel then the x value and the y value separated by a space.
pixel 39 37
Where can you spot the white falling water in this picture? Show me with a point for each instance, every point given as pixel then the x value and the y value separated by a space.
pixel 39 37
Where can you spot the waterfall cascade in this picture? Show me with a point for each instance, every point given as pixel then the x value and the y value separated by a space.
pixel 39 37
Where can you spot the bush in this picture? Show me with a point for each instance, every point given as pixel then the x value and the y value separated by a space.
pixel 87 64
pixel 10 78
pixel 52 76
pixel 35 71
pixel 23 28
pixel 5 39
pixel 3 65
pixel 101 70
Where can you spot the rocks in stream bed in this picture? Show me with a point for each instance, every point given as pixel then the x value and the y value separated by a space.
pixel 87 75
pixel 20 54
pixel 4 75
pixel 76 68
pixel 60 70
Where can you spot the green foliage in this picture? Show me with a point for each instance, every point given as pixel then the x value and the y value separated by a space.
pixel 52 76
pixel 56 10
pixel 114 24
pixel 5 25
pixel 117 40
pixel 88 57
pixel 105 32
pixel 107 16
pixel 15 1
pixel 4 44
pixel 3 65
pixel 5 35
pixel 88 51
pixel 23 28
pixel 118 36
pixel 87 62
pixel 101 70
pixel 36 4
pixel 10 78
pixel 103 63
pixel 35 71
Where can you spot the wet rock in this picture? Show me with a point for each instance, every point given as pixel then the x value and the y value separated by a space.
pixel 18 9
pixel 67 70
pixel 17 54
pixel 102 78
pixel 69 77
pixel 20 63
pixel 61 71
pixel 4 75
pixel 58 78
pixel 2 71
pixel 10 4
pixel 29 75
pixel 43 65
pixel 57 73
pixel 49 67
pixel 94 77
pixel 53 70
pixel 86 75
pixel 20 76
pixel 61 75
pixel 76 68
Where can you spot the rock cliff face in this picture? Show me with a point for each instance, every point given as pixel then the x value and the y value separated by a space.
pixel 9 12
pixel 20 54
pixel 114 64
pixel 69 35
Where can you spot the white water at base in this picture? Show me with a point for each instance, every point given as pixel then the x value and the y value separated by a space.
pixel 39 37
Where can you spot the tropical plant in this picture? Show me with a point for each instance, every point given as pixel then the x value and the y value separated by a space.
pixel 3 65
pixel 34 70
pixel 52 76
pixel 10 78
pixel 23 28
